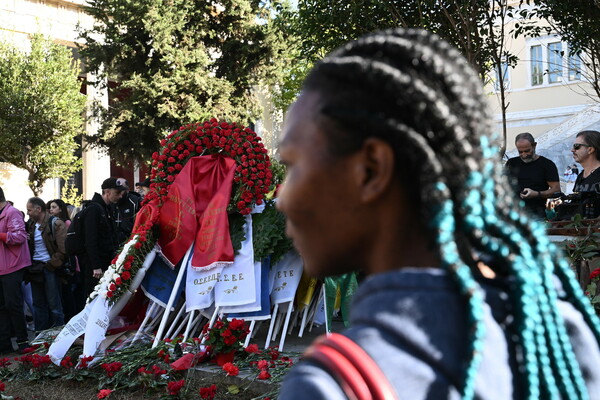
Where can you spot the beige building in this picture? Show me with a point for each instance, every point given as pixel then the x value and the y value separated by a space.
pixel 548 95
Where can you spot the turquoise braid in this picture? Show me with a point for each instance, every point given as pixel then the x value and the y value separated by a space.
pixel 571 382
pixel 443 222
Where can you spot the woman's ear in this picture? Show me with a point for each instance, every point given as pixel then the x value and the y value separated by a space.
pixel 375 169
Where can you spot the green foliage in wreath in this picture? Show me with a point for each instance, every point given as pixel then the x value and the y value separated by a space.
pixel 236 231
pixel 268 234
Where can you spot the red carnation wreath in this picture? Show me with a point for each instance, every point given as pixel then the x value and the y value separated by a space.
pixel 252 181
pixel 253 175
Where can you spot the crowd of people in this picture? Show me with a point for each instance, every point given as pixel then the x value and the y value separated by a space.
pixel 39 277
pixel 536 178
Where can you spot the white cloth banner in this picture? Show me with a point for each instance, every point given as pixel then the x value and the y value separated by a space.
pixel 199 287
pixel 97 324
pixel 72 330
pixel 93 320
pixel 285 276
pixel 236 284
pixel 255 305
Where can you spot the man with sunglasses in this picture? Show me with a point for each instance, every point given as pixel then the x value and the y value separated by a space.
pixel 585 152
pixel 535 176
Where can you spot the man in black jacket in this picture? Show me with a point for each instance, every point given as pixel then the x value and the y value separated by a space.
pixel 100 234
pixel 124 211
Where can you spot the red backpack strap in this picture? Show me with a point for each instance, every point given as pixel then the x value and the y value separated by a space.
pixel 355 371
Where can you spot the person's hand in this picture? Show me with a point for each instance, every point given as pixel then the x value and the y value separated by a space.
pixel 529 194
pixel 551 204
pixel 97 273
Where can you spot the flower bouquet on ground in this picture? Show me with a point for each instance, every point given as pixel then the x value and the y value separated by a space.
pixel 224 339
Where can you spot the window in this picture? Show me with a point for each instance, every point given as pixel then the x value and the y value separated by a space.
pixel 552 61
pixel 505 77
pixel 537 68
pixel 555 62
pixel 574 66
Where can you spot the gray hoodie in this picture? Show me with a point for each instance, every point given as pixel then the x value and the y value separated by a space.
pixel 412 322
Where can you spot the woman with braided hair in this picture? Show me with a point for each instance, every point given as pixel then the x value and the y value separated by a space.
pixel 390 170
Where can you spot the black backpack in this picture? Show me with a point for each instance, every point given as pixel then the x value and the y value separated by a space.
pixel 75 241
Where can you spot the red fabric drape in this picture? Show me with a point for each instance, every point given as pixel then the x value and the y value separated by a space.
pixel 196 209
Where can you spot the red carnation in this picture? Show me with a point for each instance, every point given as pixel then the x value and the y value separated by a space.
pixel 170 178
pixel 595 274
pixel 231 369
pixel 103 393
pixel 125 275
pixel 264 374
pixel 230 340
pixel 252 348
pixel 112 287
pixel 208 392
pixel 236 324
pixel 174 387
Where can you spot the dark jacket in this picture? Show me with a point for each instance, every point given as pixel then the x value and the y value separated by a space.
pixel 100 235
pixel 124 213
pixel 55 245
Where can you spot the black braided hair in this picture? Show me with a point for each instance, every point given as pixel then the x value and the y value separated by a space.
pixel 419 94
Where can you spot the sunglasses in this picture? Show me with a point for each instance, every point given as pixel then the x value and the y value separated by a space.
pixel 577 146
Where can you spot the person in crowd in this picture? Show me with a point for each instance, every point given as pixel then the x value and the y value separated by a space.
pixel 143 187
pixel 586 151
pixel 14 259
pixel 536 177
pixel 71 281
pixel 100 234
pixel 586 188
pixel 575 170
pixel 125 210
pixel 392 169
pixel 59 209
pixel 47 235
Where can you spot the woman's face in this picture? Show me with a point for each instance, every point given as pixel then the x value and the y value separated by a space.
pixel 54 209
pixel 318 195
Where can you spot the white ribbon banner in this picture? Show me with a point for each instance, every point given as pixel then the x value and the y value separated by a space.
pixel 236 284
pixel 285 276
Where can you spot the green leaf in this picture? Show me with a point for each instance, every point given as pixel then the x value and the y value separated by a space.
pixel 233 389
